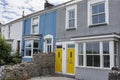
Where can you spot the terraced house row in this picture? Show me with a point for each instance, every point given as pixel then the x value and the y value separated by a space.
pixel 84 34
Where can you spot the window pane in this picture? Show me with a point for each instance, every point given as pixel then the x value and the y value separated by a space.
pixel 28 52
pixel 94 9
pixel 80 57
pixel 89 60
pixel 80 48
pixel 72 23
pixel 95 19
pixel 88 48
pixel 96 61
pixel 101 18
pixel 49 41
pixel 71 14
pixel 36 44
pixel 49 48
pixel 35 28
pixel 35 51
pixel 95 48
pixel 71 46
pixel 105 47
pixel 102 7
pixel 106 61
pixel 35 20
pixel 28 43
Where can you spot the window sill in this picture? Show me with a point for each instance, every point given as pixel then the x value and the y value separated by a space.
pixel 70 29
pixel 93 67
pixel 27 57
pixel 100 24
pixel 32 34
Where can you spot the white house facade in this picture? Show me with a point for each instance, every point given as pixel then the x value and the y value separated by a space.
pixel 12 32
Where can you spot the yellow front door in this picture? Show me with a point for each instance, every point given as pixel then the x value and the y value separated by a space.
pixel 70 61
pixel 58 64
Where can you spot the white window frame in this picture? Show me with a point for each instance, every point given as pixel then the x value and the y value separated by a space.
pixel 45 43
pixel 73 7
pixel 111 55
pixel 32 48
pixel 34 24
pixel 92 2
pixel 9 31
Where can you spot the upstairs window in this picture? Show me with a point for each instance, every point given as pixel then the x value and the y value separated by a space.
pixel 98 13
pixel 35 25
pixel 9 31
pixel 71 17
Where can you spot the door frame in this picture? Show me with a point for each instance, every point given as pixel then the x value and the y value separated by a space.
pixel 64 56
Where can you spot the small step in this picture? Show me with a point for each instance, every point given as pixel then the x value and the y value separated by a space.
pixel 66 75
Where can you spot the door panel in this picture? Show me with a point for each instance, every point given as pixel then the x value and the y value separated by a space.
pixel 70 61
pixel 58 63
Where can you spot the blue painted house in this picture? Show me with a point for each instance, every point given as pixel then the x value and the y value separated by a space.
pixel 39 33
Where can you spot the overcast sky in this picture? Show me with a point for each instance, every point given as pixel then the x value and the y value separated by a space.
pixel 12 9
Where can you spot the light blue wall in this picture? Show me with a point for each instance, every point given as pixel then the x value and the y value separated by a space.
pixel 47 25
pixel 25 32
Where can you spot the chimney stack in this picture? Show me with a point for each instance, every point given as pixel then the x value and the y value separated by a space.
pixel 47 5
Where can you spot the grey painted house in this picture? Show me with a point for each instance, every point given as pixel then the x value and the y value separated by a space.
pixel 88 38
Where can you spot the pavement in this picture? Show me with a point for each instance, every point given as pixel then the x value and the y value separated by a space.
pixel 51 78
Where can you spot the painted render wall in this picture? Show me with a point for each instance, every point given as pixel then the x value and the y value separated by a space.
pixel 63 35
pixel 82 24
pixel 47 25
pixel 16 34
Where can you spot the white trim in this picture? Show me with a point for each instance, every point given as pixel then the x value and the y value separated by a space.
pixel 76 54
pixel 84 54
pixel 31 48
pixel 31 37
pixel 112 55
pixel 73 2
pixel 67 16
pixel 101 54
pixel 45 43
pixel 89 10
pixel 104 37
pixel 31 31
pixel 64 55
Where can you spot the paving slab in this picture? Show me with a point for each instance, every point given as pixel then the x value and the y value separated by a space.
pixel 51 78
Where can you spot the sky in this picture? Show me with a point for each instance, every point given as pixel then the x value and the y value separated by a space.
pixel 12 9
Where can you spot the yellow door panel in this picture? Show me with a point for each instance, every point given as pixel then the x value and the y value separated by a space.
pixel 70 60
pixel 58 64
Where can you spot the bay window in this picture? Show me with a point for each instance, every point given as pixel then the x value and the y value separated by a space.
pixel 31 47
pixel 80 54
pixel 95 54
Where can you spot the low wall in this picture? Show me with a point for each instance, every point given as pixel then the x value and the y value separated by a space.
pixel 42 64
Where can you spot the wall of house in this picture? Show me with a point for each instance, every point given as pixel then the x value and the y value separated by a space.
pixel 63 35
pixel 82 25
pixel 90 74
pixel 48 26
pixel 15 34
